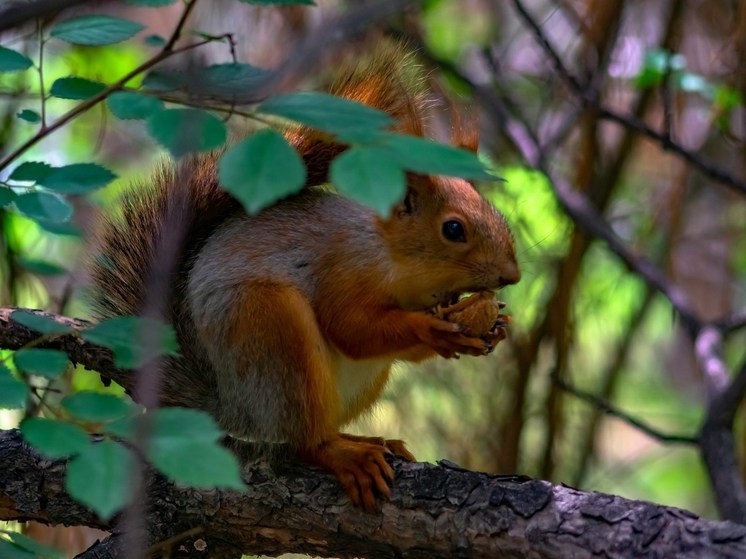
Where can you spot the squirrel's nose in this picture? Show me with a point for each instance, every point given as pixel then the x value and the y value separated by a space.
pixel 510 274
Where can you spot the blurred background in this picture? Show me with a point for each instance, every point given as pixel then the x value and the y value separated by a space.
pixel 579 315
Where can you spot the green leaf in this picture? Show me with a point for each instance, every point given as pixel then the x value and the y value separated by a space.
pixel 29 116
pixel 127 105
pixel 226 79
pixel 95 30
pixel 41 267
pixel 13 61
pixel 6 196
pixel 48 363
pixel 68 229
pixel 261 169
pixel 96 406
pixel 54 438
pixel 44 206
pixel 184 445
pixel 9 550
pixel 326 112
pixel 78 178
pixel 196 462
pixel 75 88
pixel 178 424
pixel 182 131
pixel 100 477
pixel 154 41
pixel 13 392
pixel 134 340
pixel 19 546
pixel 161 80
pixel 39 323
pixel 431 158
pixel 370 176
pixel 30 171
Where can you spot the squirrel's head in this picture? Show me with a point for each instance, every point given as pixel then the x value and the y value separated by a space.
pixel 445 239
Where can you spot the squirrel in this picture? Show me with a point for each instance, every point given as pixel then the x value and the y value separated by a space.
pixel 289 320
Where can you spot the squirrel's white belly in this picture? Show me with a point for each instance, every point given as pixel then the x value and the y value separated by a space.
pixel 355 380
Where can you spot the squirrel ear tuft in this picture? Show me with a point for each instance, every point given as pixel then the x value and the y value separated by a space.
pixel 385 78
pixel 465 128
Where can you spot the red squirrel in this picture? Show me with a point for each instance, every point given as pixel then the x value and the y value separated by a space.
pixel 289 320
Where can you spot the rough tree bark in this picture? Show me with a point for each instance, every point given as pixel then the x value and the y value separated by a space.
pixel 434 511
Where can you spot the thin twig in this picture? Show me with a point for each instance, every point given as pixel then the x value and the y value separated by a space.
pixel 45 131
pixel 40 67
pixel 703 165
pixel 609 409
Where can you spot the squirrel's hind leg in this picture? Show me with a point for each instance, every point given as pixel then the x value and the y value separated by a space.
pixel 284 365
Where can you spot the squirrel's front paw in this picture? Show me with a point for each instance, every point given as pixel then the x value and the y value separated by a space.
pixel 448 339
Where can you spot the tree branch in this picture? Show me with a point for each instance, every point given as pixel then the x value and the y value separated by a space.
pixel 434 511
pixel 14 335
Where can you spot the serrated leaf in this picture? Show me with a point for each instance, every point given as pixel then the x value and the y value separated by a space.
pixel 54 438
pixel 6 196
pixel 370 176
pixel 182 131
pixel 261 169
pixel 177 424
pixel 75 88
pixel 197 462
pixel 96 406
pixel 44 206
pixel 100 477
pixel 127 105
pixel 178 433
pixel 134 340
pixel 78 178
pixel 39 323
pixel 13 61
pixel 13 392
pixel 30 171
pixel 226 79
pixel 431 158
pixel 326 112
pixel 95 30
pixel 48 363
pixel 29 116
pixel 41 267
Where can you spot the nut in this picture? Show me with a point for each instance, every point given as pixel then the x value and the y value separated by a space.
pixel 479 314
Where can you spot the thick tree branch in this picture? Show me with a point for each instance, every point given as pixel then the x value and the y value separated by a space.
pixel 14 335
pixel 435 511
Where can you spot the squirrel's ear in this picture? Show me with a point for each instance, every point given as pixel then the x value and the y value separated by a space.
pixel 417 188
pixel 465 128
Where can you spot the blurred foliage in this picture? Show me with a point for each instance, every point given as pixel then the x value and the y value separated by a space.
pixel 461 410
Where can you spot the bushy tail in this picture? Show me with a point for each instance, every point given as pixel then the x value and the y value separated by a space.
pixel 168 219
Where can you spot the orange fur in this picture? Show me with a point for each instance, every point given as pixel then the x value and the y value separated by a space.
pixel 289 320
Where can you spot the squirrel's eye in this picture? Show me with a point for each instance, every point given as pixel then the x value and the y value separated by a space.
pixel 453 230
